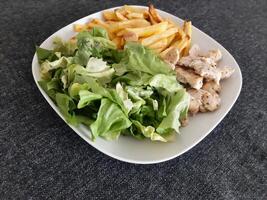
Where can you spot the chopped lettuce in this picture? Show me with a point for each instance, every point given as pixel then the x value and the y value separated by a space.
pixel 110 121
pixel 91 44
pixel 165 84
pixel 177 103
pixel 65 48
pixel 138 58
pixel 86 97
pixel 47 66
pixel 45 54
pixel 149 132
pixel 113 92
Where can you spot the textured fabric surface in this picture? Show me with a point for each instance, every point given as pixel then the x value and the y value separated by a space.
pixel 42 158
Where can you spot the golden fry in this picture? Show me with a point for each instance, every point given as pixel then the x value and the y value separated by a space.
pixel 153 12
pixel 135 16
pixel 154 38
pixel 110 22
pixel 159 44
pixel 181 44
pixel 128 24
pixel 170 39
pixel 79 27
pixel 117 41
pixel 100 22
pixel 159 50
pixel 188 32
pixel 131 9
pixel 151 19
pixel 120 16
pixel 149 30
pixel 109 15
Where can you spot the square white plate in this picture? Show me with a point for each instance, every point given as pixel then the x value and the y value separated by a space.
pixel 146 152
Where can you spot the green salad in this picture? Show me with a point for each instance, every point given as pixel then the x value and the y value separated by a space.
pixel 113 92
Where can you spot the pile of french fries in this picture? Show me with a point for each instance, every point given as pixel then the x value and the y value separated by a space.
pixel 145 26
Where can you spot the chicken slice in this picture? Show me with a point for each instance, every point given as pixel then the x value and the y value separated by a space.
pixel 172 56
pixel 211 87
pixel 203 101
pixel 215 55
pixel 204 68
pixel 195 100
pixel 210 102
pixel 188 76
pixel 226 71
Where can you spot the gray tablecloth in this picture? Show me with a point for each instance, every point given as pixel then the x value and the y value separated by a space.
pixel 42 158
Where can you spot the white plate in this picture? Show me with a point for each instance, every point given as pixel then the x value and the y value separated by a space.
pixel 146 152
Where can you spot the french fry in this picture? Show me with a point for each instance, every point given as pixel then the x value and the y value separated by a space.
pixel 187 27
pixel 129 23
pixel 121 32
pixel 135 16
pixel 131 9
pixel 159 50
pixel 116 27
pixel 109 15
pixel 117 41
pixel 153 12
pixel 151 19
pixel 110 22
pixel 111 35
pixel 100 22
pixel 122 43
pixel 149 30
pixel 170 39
pixel 181 33
pixel 120 15
pixel 159 44
pixel 79 27
pixel 154 38
pixel 180 44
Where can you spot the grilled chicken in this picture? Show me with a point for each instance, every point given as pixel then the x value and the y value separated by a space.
pixel 226 72
pixel 189 77
pixel 205 65
pixel 211 87
pixel 172 56
pixel 203 101
pixel 206 68
pixel 215 55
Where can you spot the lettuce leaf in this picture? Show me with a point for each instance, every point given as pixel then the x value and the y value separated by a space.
pixel 47 66
pixel 110 121
pixel 45 54
pixel 130 92
pixel 86 98
pixel 66 106
pixel 165 84
pixel 67 48
pixel 141 59
pixel 92 44
pixel 148 132
pixel 176 104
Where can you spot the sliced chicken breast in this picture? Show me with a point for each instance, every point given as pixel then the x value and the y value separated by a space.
pixel 189 77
